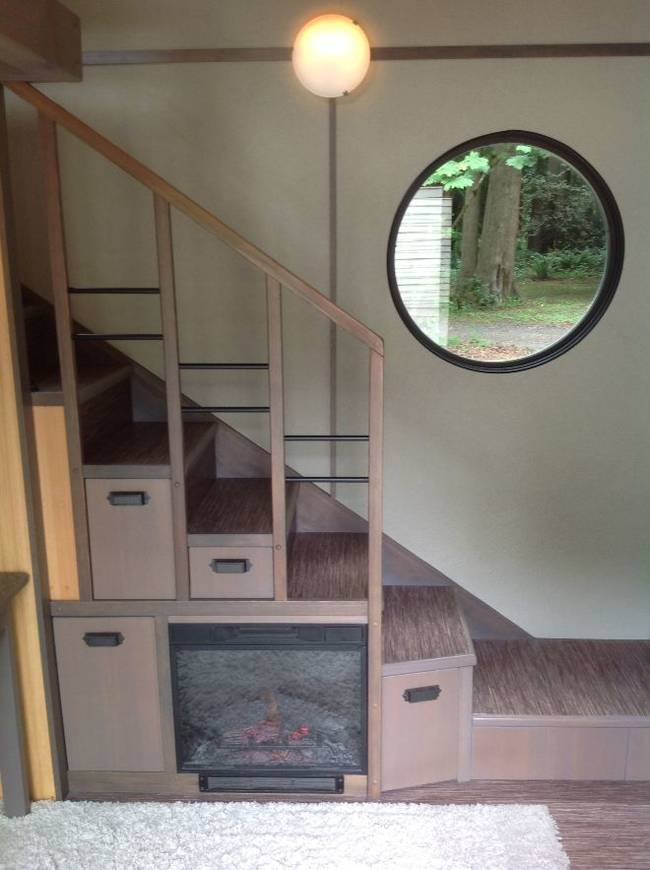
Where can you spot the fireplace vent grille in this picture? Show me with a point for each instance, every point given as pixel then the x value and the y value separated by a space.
pixel 275 784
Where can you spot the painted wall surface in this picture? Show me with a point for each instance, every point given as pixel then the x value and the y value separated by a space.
pixel 531 490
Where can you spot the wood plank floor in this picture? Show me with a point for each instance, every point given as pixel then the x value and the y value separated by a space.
pixel 328 566
pixel 603 825
pixel 562 677
pixel 422 622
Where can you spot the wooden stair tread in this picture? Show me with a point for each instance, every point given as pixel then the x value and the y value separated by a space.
pixel 423 622
pixel 328 566
pixel 143 444
pixel 233 505
pixel 562 678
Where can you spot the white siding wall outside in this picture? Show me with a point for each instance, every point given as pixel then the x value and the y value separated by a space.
pixel 422 260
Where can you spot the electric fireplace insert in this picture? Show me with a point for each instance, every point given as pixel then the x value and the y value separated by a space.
pixel 276 702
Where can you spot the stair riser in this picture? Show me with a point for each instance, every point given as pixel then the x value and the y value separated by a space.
pixel 106 412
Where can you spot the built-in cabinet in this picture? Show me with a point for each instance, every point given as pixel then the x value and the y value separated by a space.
pixel 110 699
pixel 132 549
pixel 131 538
pixel 420 728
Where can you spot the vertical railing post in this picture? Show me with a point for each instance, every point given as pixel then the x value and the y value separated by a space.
pixel 65 344
pixel 375 578
pixel 168 315
pixel 276 402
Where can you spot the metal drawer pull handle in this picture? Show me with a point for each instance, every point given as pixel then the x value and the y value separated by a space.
pixel 422 693
pixel 103 638
pixel 128 498
pixel 230 566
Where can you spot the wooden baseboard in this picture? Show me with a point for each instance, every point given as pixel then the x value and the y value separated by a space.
pixel 111 785
pixel 561 747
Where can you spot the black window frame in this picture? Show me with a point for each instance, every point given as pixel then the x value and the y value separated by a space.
pixel 611 274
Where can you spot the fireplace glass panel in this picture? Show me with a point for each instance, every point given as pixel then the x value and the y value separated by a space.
pixel 256 703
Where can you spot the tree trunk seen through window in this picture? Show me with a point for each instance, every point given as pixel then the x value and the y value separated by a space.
pixel 470 228
pixel 498 245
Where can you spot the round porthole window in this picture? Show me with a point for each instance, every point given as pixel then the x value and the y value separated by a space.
pixel 505 252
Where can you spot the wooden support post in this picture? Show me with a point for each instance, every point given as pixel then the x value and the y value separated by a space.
pixel 375 573
pixel 173 391
pixel 19 550
pixel 276 401
pixel 67 362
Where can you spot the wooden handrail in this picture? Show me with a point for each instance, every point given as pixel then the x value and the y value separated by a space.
pixel 56 113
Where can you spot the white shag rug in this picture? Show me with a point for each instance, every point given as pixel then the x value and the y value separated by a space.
pixel 280 836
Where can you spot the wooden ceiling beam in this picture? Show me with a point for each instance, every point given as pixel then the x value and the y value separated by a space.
pixel 40 41
pixel 379 53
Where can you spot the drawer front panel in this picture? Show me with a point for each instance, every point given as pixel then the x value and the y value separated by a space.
pixel 420 735
pixel 131 540
pixel 231 572
pixel 108 679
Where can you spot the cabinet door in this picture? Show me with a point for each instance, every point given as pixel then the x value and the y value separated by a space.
pixel 419 737
pixel 131 539
pixel 108 679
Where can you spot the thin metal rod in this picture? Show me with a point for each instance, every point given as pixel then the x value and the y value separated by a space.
pixel 326 478
pixel 117 336
pixel 234 409
pixel 198 366
pixel 115 291
pixel 325 437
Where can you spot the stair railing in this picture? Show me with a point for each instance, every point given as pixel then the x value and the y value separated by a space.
pixel 277 277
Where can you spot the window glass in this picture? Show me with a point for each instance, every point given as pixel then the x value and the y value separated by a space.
pixel 500 250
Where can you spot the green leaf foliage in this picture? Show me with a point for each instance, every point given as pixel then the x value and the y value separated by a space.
pixel 459 174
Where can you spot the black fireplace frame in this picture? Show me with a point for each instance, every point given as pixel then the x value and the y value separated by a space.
pixel 256 636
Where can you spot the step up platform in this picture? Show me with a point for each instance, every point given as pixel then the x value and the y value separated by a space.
pixel 562 709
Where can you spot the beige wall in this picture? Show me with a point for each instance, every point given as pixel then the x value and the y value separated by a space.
pixel 531 490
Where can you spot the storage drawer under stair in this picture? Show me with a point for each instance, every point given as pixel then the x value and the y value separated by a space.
pixel 131 538
pixel 420 728
pixel 108 680
pixel 231 572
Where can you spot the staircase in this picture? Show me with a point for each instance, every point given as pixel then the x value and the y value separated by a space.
pixel 179 517
pixel 194 535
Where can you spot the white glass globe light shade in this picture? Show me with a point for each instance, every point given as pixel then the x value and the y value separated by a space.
pixel 331 55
